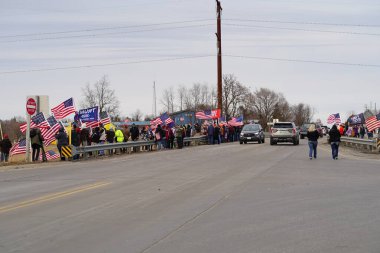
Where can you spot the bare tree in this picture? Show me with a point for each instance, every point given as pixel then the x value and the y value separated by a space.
pixel 282 109
pixel 137 115
pixel 101 94
pixel 12 128
pixel 302 113
pixel 195 93
pixel 168 99
pixel 264 103
pixel 181 92
pixel 233 95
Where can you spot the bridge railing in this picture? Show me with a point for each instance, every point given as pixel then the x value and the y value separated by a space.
pixel 368 144
pixel 137 145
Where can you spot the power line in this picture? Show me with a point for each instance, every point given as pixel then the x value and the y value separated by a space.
pixel 301 29
pixel 303 61
pixel 301 23
pixel 102 34
pixel 192 57
pixel 105 28
pixel 104 65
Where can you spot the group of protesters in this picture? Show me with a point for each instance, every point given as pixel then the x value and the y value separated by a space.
pixel 163 135
pixel 218 133
pixel 357 131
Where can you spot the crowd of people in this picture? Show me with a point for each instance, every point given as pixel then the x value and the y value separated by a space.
pixel 221 133
pixel 164 136
pixel 357 131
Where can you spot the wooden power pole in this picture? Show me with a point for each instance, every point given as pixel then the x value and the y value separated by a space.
pixel 219 45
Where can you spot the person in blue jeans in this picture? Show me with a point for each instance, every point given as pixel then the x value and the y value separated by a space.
pixel 334 140
pixel 312 135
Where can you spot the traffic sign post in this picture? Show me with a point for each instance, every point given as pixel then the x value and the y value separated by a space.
pixel 31 107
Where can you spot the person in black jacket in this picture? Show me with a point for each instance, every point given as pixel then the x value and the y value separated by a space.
pixel 62 140
pixel 334 140
pixel 5 147
pixel 312 135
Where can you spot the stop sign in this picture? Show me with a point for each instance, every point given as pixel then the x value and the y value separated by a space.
pixel 31 106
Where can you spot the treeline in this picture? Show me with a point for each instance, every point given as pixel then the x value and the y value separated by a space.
pixel 12 128
pixel 238 100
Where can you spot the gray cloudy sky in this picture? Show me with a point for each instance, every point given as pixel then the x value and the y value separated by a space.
pixel 248 30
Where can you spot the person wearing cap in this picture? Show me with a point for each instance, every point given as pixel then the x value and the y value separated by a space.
pixel 5 147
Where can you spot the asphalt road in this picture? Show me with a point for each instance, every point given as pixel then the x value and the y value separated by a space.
pixel 223 198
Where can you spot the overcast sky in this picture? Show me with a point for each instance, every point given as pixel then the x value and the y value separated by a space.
pixel 329 31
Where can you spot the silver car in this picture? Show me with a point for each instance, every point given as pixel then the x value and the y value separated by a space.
pixel 284 132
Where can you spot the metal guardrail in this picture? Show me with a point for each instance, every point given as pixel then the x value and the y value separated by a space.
pixel 369 144
pixel 129 145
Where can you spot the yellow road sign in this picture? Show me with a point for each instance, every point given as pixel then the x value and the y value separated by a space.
pixel 67 151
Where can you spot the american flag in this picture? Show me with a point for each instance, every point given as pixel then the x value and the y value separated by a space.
pixel 49 136
pixel 236 121
pixel 156 122
pixel 19 148
pixel 204 114
pixel 222 120
pixel 334 119
pixel 38 121
pixel 50 155
pixel 92 124
pixel 165 118
pixel 373 122
pixel 105 118
pixel 169 121
pixel 64 109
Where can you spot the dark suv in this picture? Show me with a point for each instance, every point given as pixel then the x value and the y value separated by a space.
pixel 252 132
pixel 284 132
pixel 304 128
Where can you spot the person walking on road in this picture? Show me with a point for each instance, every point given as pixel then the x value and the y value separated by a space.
pixel 312 135
pixel 334 141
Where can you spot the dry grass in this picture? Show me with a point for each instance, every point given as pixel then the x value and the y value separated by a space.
pixel 20 159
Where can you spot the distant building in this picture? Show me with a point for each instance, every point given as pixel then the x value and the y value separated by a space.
pixel 42 104
pixel 184 117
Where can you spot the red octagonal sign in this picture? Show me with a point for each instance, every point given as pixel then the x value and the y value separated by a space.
pixel 31 106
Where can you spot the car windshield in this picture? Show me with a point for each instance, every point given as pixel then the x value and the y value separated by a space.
pixel 306 126
pixel 251 128
pixel 283 125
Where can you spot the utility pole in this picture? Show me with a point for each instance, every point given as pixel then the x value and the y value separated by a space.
pixel 154 100
pixel 219 45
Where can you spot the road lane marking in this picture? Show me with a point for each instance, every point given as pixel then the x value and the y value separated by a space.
pixel 53 196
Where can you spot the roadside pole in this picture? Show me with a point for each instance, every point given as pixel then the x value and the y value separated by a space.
pixel 31 107
pixel 27 158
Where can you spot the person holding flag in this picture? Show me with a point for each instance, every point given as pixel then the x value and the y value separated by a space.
pixel 37 144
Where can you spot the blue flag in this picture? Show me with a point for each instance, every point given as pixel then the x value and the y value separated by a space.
pixel 89 114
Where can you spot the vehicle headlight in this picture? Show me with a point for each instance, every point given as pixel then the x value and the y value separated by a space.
pixel 241 135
